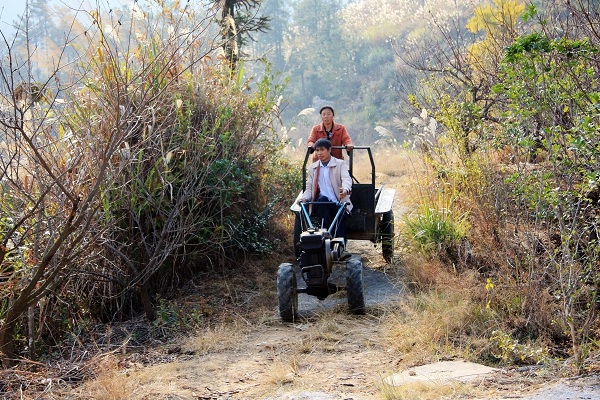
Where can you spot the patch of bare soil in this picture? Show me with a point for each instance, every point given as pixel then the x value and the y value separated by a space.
pixel 327 353
pixel 340 356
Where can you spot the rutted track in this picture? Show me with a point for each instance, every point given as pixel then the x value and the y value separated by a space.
pixel 378 288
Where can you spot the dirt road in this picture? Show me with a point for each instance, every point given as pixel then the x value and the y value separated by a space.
pixel 328 354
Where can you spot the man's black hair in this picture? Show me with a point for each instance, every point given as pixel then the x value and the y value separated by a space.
pixel 322 143
pixel 327 108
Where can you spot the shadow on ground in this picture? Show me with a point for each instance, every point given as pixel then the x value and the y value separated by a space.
pixel 379 288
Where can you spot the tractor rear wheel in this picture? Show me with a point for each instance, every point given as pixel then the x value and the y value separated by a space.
pixel 354 286
pixel 386 229
pixel 287 292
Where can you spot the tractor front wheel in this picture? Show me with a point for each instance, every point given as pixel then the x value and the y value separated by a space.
pixel 287 292
pixel 354 286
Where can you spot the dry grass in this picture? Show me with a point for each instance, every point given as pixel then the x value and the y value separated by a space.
pixel 125 378
pixel 422 274
pixel 392 166
pixel 219 338
pixel 280 374
pixel 426 391
pixel 111 383
pixel 292 371
pixel 466 311
pixel 444 317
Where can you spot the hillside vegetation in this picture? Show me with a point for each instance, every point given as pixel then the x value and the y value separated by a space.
pixel 148 149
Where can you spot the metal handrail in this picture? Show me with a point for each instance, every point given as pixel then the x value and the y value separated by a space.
pixel 350 163
pixel 342 206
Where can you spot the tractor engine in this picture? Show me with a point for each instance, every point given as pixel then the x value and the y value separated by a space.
pixel 317 254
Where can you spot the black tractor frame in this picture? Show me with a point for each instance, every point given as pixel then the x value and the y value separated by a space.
pixel 372 216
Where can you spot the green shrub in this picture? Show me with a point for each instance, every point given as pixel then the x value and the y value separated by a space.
pixel 436 230
pixel 510 351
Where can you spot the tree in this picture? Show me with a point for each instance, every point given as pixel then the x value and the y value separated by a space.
pixel 237 28
pixel 462 68
pixel 52 173
pixel 552 90
pixel 271 42
pixel 319 58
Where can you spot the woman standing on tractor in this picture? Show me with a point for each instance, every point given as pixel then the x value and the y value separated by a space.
pixel 328 129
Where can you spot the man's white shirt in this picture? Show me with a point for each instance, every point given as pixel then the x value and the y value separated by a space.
pixel 325 186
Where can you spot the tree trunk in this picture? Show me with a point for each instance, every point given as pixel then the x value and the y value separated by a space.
pixel 147 301
pixel 7 346
pixel 229 33
pixel 31 331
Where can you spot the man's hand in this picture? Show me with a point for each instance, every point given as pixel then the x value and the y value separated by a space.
pixel 349 147
pixel 343 193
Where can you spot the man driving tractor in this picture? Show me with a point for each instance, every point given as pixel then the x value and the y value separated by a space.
pixel 328 181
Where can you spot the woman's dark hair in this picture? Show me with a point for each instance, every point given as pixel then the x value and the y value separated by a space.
pixel 327 108
pixel 322 143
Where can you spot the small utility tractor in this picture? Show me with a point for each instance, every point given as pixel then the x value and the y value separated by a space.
pixel 318 251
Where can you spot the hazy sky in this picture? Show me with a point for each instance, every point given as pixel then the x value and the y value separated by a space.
pixel 10 10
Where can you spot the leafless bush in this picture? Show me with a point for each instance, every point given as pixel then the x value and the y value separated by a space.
pixel 126 163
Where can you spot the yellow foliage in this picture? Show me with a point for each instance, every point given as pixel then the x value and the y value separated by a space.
pixel 494 18
pixel 498 21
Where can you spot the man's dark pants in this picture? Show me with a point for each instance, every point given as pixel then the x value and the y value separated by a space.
pixel 326 213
